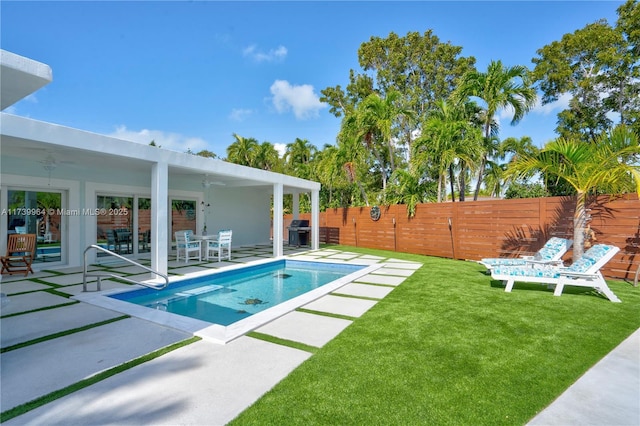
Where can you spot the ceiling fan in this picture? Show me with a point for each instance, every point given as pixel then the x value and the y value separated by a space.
pixel 206 183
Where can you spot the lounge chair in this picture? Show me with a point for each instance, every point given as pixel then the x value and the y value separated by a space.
pixel 584 272
pixel 551 253
pixel 21 249
pixel 220 245
pixel 185 246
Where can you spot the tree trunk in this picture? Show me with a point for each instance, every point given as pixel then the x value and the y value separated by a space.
pixel 579 221
pixel 363 193
pixel 463 183
pixel 483 163
pixel 452 181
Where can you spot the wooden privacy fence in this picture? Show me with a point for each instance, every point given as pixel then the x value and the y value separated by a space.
pixel 489 228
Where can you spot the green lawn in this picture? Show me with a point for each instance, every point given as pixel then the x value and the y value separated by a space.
pixel 450 347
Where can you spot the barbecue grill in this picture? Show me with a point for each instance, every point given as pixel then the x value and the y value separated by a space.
pixel 299 233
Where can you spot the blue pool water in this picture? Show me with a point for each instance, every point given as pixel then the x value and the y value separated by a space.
pixel 230 296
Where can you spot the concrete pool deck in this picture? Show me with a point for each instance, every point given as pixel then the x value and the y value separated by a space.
pixel 204 383
pixel 200 383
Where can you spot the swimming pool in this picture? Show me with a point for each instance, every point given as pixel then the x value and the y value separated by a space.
pixel 228 297
pixel 226 304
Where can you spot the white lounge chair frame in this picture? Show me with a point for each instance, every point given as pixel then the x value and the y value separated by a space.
pixel 560 277
pixel 186 246
pixel 550 254
pixel 220 245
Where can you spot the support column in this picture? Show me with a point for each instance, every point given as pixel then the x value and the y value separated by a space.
pixel 160 217
pixel 315 219
pixel 278 219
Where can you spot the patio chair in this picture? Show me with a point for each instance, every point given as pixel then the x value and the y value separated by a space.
pixel 584 272
pixel 185 247
pixel 112 243
pixel 21 249
pixel 551 253
pixel 220 245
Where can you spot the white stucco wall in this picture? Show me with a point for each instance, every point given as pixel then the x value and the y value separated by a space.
pixel 246 211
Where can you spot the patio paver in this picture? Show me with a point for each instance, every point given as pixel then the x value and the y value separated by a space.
pixel 30 301
pixel 313 330
pixel 402 265
pixel 22 328
pixel 395 272
pixel 39 369
pixel 69 279
pixel 365 290
pixel 21 286
pixel 200 384
pixel 347 306
pixel 381 279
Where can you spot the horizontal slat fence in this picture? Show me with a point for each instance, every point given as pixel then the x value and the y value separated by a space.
pixel 489 228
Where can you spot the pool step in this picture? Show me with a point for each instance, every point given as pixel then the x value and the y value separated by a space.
pixel 200 290
pixel 162 304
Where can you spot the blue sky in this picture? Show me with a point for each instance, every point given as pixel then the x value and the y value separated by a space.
pixel 189 74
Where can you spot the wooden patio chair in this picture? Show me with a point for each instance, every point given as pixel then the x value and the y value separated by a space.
pixel 21 250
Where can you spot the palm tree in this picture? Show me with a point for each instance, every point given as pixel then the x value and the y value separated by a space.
pixel 495 168
pixel 328 171
pixel 373 123
pixel 266 157
pixel 352 157
pixel 379 116
pixel 500 87
pixel 610 164
pixel 298 155
pixel 448 137
pixel 407 187
pixel 242 151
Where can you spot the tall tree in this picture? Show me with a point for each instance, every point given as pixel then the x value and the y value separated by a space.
pixel 373 123
pixel 510 149
pixel 610 164
pixel 419 66
pixel 297 157
pixel 499 87
pixel 599 66
pixel 448 137
pixel 381 116
pixel 407 187
pixel 267 157
pixel 242 151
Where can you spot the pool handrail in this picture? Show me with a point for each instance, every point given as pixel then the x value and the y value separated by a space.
pixel 99 275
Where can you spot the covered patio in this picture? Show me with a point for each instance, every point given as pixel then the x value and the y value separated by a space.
pixel 75 187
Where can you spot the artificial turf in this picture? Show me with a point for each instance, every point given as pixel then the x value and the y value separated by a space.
pixel 450 347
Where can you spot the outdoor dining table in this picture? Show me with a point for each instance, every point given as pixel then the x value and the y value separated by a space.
pixel 204 239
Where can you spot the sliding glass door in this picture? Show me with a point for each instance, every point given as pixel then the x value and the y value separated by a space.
pixel 39 213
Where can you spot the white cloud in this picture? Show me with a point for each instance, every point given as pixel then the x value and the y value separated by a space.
pixel 170 141
pixel 281 148
pixel 31 98
pixel 301 99
pixel 561 104
pixel 277 54
pixel 239 114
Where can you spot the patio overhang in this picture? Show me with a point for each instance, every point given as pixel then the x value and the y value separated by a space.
pixel 86 164
pixel 20 77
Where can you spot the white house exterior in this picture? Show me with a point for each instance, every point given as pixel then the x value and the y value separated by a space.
pixel 84 168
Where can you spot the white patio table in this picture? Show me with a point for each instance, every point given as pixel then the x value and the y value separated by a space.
pixel 205 239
